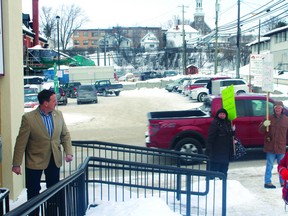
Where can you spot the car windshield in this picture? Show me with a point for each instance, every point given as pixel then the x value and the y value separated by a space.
pixel 30 98
pixel 86 88
pixel 29 91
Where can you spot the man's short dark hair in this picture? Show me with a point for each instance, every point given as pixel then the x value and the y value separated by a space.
pixel 45 95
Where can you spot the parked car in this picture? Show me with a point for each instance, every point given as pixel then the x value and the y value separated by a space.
pixel 36 80
pixel 30 90
pixel 30 102
pixel 170 73
pixel 240 86
pixel 86 94
pixel 174 86
pixel 61 96
pixel 106 88
pixel 184 86
pixel 129 77
pixel 187 130
pixel 192 84
pixel 217 85
pixel 71 88
pixel 150 75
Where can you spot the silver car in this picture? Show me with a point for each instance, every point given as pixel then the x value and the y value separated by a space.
pixel 86 94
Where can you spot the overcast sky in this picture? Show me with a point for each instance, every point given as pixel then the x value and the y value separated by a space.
pixel 109 13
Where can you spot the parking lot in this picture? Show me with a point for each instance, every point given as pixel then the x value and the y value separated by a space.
pixel 121 119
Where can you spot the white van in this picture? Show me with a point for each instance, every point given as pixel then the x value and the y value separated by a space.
pixel 240 86
pixel 35 80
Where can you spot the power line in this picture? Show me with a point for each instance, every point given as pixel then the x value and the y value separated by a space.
pixel 255 15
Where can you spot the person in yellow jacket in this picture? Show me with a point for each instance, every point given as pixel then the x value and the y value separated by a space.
pixel 42 133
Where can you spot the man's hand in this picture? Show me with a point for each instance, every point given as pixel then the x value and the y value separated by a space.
pixel 17 170
pixel 69 158
pixel 267 123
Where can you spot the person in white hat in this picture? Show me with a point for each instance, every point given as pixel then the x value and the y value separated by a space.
pixel 275 130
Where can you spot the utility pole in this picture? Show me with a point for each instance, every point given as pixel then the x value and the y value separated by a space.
pixel 238 43
pixel 259 30
pixel 184 43
pixel 216 38
pixel 105 49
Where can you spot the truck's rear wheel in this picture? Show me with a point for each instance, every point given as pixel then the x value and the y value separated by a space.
pixel 117 93
pixel 191 146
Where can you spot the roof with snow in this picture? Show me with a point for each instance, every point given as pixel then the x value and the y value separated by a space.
pixel 262 39
pixel 179 28
pixel 276 30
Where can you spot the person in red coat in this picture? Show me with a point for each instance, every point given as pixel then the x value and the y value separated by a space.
pixel 283 171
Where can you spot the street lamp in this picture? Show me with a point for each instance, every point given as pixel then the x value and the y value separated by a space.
pixel 58 18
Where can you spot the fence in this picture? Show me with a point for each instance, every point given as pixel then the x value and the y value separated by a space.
pixel 83 149
pixel 115 172
pixel 4 201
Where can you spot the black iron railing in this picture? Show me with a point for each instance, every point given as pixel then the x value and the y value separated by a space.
pixel 83 149
pixel 4 201
pixel 109 172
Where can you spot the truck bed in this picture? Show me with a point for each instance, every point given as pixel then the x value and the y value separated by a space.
pixel 116 86
pixel 177 114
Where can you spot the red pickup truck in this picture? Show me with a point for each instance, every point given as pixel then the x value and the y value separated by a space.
pixel 187 130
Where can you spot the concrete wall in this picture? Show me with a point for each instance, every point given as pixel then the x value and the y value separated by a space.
pixel 11 89
pixel 148 84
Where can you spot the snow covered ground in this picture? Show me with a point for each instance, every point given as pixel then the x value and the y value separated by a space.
pixel 241 200
pixel 245 192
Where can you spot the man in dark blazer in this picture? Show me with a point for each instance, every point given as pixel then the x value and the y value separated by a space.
pixel 41 134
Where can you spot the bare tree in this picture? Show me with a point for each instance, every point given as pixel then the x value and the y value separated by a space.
pixel 118 35
pixel 273 23
pixel 72 18
pixel 48 22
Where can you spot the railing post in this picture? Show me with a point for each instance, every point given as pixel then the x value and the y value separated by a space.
pixel 83 202
pixel 188 195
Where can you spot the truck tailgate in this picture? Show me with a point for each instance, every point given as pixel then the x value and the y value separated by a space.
pixel 177 114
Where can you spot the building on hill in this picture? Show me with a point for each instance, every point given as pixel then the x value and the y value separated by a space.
pixel 199 22
pixel 85 38
pixel 174 38
pixel 149 42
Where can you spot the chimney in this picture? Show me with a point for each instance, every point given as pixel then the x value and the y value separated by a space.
pixel 35 9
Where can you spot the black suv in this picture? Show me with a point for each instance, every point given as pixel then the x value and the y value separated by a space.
pixel 71 88
pixel 150 75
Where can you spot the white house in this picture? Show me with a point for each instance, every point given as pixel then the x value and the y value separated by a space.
pixel 260 45
pixel 149 42
pixel 276 43
pixel 174 35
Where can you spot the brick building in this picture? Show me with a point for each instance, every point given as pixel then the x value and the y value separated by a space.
pixel 85 38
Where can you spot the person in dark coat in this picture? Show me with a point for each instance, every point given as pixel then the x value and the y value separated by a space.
pixel 220 140
pixel 209 86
